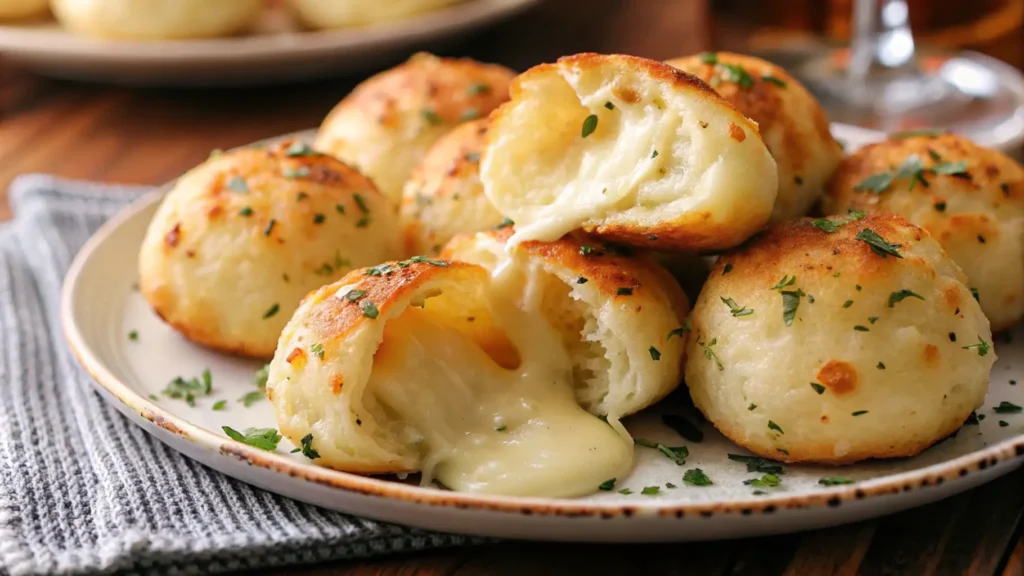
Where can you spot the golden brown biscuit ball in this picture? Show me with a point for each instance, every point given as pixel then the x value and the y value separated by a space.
pixel 444 196
pixel 390 121
pixel 790 120
pixel 241 238
pixel 628 149
pixel 157 19
pixel 838 339
pixel 971 199
pixel 427 366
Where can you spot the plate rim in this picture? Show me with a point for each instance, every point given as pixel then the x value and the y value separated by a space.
pixel 1006 453
pixel 26 39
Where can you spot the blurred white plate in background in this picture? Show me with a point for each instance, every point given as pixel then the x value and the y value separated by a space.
pixel 278 53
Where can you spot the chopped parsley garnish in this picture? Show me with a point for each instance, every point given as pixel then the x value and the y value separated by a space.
pixel 974 293
pixel 912 168
pixel 1005 407
pixel 776 81
pixel 972 419
pixel 950 168
pixel 901 295
pixel 589 125
pixel 624 291
pixel 477 89
pixel 469 114
pixel 581 280
pixel 835 481
pixel 677 454
pixel 877 244
pixel 271 311
pixel 683 427
pixel 775 427
pixel 369 308
pixel 786 281
pixel 758 464
pixel 363 222
pixel 727 269
pixel 245 211
pixel 261 376
pixel 430 116
pixel 238 184
pixel 709 353
pixel 220 405
pixel 831 226
pixel 299 148
pixel 586 250
pixel 317 350
pixel 270 227
pixel 301 196
pixel 766 481
pixel 625 491
pixel 790 303
pixel 848 303
pixel 187 390
pixel 1003 423
pixel 607 485
pixel 736 73
pixel 709 57
pixel 361 202
pixel 681 330
pixel 982 347
pixel 251 398
pixel 318 218
pixel 876 183
pixel 340 209
pixel 696 477
pixel 735 308
pixel 880 366
pixel 752 407
pixel 818 388
pixel 504 224
pixel 307 447
pixel 380 270
pixel 501 428
pixel 609 105
pixel 860 328
pixel 423 260
pixel 353 295
pixel 650 490
pixel 872 319
pixel 473 157
pixel 300 172
pixel 940 206
pixel 859 413
pixel 655 353
pixel 262 438
pixel 669 485
pixel 133 335
pixel 912 133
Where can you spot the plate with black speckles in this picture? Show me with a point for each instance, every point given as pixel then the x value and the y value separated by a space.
pixel 132 355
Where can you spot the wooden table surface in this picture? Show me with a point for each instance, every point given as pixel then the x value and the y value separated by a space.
pixel 148 136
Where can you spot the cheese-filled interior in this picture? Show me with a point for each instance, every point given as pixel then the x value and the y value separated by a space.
pixel 584 146
pixel 491 410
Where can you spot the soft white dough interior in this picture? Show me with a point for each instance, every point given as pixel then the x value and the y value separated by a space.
pixel 484 424
pixel 561 180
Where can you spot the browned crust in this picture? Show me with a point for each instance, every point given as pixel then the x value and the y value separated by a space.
pixel 335 318
pixel 763 102
pixel 800 247
pixel 440 82
pixel 607 267
pixel 691 232
pixel 213 340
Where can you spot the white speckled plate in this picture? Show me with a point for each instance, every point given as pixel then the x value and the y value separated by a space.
pixel 100 309
pixel 277 51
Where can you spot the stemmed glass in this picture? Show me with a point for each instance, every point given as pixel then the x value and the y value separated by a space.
pixel 886 82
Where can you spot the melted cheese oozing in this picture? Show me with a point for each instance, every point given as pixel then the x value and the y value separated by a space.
pixel 484 428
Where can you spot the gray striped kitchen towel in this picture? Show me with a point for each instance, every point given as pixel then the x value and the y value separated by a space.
pixel 82 489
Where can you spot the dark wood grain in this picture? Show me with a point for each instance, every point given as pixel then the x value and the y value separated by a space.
pixel 149 136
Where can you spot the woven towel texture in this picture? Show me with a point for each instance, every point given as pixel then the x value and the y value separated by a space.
pixel 82 489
